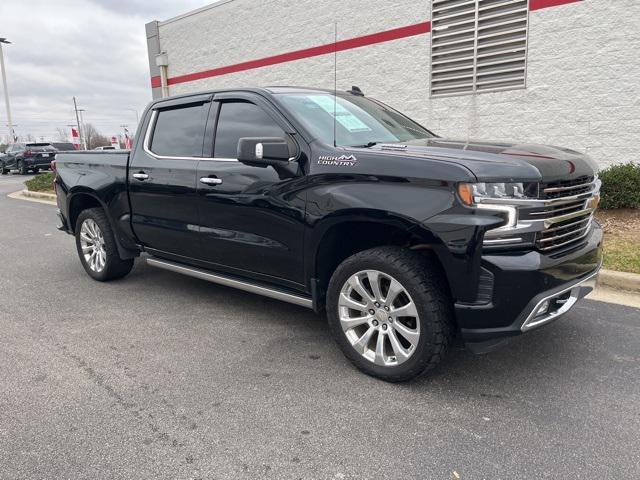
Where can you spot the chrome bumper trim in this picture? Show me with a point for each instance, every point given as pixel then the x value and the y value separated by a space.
pixel 577 291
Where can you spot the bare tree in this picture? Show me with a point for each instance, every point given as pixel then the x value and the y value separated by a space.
pixel 93 137
pixel 62 135
pixel 29 138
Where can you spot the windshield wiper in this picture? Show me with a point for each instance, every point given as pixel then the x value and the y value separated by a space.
pixel 368 145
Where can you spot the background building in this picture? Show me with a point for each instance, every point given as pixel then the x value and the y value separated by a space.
pixel 563 72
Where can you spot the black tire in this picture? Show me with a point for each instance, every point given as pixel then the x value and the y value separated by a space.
pixel 115 267
pixel 36 170
pixel 3 169
pixel 422 279
pixel 22 168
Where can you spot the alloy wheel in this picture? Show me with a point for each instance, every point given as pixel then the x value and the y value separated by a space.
pixel 92 244
pixel 379 318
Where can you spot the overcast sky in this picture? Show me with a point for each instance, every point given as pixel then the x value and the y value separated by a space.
pixel 93 49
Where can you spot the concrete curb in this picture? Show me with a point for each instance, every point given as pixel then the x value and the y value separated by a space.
pixel 619 280
pixel 40 195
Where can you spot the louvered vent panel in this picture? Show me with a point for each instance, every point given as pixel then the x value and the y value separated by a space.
pixel 478 45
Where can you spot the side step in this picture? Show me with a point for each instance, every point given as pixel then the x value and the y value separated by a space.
pixel 231 282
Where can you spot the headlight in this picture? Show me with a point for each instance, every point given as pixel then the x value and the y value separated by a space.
pixel 472 193
pixel 500 197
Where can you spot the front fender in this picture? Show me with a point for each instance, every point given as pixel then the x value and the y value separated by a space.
pixel 400 203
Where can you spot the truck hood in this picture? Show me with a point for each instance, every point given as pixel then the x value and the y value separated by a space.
pixel 498 160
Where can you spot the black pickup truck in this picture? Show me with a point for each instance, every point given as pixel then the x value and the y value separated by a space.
pixel 339 203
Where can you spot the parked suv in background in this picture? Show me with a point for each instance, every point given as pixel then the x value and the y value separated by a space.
pixel 25 157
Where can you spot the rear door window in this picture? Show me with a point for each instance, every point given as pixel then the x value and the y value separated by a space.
pixel 239 120
pixel 179 132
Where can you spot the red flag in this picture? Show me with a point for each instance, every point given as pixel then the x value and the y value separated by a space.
pixel 75 138
pixel 127 140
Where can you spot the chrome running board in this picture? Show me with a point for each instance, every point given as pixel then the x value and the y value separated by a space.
pixel 231 282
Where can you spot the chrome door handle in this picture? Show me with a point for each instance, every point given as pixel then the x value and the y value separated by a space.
pixel 211 181
pixel 140 176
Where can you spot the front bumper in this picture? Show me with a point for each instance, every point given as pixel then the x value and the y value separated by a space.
pixel 528 290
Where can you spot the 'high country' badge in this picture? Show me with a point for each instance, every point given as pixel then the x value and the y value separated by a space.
pixel 341 161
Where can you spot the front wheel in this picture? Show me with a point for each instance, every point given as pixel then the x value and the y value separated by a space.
pixel 389 312
pixel 97 247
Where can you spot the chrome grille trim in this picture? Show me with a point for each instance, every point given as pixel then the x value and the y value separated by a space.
pixel 548 222
pixel 555 229
pixel 563 235
pixel 564 244
pixel 561 208
pixel 564 189
pixel 561 188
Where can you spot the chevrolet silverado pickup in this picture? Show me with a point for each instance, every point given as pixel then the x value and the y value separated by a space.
pixel 336 202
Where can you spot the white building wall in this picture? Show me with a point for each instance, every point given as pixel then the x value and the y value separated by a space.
pixel 583 81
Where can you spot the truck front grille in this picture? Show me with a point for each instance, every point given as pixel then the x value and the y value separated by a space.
pixel 569 214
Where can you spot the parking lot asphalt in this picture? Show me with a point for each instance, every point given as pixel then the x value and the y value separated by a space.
pixel 164 376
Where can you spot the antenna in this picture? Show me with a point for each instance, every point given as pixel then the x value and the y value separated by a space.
pixel 335 82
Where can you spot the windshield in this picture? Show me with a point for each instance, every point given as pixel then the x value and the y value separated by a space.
pixel 358 120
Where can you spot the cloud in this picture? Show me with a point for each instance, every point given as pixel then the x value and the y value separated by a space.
pixel 94 50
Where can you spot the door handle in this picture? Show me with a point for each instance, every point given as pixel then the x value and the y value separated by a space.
pixel 140 176
pixel 211 180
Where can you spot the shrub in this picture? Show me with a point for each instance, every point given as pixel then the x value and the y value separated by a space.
pixel 40 183
pixel 620 186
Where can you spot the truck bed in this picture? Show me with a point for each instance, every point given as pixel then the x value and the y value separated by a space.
pixel 102 175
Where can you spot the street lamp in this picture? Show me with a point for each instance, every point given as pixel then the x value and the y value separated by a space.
pixel 136 112
pixel 6 91
pixel 83 132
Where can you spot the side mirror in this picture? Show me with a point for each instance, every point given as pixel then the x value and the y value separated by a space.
pixel 263 151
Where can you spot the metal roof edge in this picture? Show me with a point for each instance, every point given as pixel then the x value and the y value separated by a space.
pixel 215 4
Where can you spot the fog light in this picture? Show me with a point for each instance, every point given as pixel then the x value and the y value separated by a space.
pixel 543 308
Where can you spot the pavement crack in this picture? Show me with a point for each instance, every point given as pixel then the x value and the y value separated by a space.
pixel 155 432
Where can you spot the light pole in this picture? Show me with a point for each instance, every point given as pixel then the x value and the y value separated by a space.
pixel 136 112
pixel 84 130
pixel 75 107
pixel 6 91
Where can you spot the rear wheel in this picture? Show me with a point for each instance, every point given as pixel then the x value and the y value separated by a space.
pixel 97 247
pixel 3 168
pixel 36 170
pixel 389 313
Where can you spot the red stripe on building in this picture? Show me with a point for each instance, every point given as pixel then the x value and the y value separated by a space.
pixel 538 4
pixel 372 39
pixel 341 45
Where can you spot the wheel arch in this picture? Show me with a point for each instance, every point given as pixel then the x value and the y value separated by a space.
pixel 342 236
pixel 80 200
